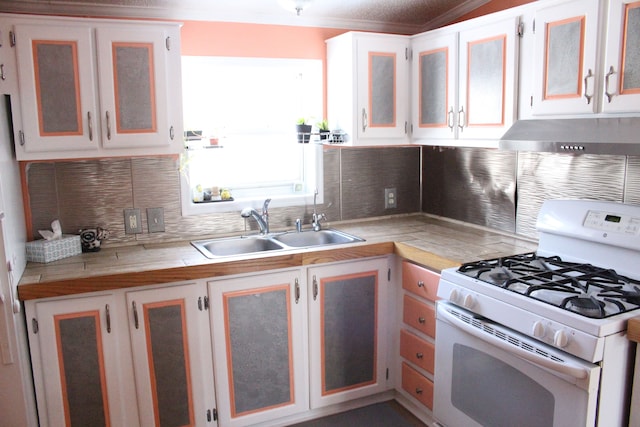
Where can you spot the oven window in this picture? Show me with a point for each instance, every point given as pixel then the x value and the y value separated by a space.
pixel 493 393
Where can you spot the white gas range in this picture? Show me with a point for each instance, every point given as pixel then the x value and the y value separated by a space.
pixel 562 310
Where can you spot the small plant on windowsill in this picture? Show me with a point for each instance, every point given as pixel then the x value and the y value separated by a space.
pixel 304 130
pixel 323 128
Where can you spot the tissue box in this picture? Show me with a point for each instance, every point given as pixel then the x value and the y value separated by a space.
pixel 52 250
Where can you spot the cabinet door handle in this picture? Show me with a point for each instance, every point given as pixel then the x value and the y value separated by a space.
pixel 421 320
pixel 90 125
pixel 136 323
pixel 108 315
pixel 2 75
pixel 172 133
pixel 450 119
pixel 108 126
pixel 420 284
pixel 608 94
pixel 297 291
pixel 315 288
pixel 419 355
pixel 461 118
pixel 364 120
pixel 586 86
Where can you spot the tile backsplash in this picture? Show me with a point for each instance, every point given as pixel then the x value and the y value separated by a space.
pixel 89 193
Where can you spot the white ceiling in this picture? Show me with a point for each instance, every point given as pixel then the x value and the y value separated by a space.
pixel 395 16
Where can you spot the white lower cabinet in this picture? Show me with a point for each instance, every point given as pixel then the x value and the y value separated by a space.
pixel 258 325
pixel 255 349
pixel 91 368
pixel 79 354
pixel 347 324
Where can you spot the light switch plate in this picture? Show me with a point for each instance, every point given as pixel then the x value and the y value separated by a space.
pixel 132 221
pixel 155 220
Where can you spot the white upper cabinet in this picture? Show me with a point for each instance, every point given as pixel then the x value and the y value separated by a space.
pixel 91 88
pixel 464 82
pixel 565 58
pixel 368 88
pixel 621 90
pixel 585 58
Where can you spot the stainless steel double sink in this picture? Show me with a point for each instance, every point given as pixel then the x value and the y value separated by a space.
pixel 215 248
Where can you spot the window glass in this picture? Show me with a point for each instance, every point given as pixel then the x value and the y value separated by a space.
pixel 240 116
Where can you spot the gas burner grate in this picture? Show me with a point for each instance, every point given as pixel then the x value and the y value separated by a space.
pixel 577 287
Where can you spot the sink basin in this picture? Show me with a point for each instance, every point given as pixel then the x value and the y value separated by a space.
pixel 235 246
pixel 215 248
pixel 315 238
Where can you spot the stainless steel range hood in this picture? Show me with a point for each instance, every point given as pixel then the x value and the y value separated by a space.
pixel 620 136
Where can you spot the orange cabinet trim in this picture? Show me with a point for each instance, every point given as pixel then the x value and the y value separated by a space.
pixel 395 76
pixel 76 78
pixel 469 113
pixel 322 334
pixel 446 91
pixel 627 9
pixel 232 397
pixel 578 77
pixel 63 382
pixel 152 86
pixel 185 345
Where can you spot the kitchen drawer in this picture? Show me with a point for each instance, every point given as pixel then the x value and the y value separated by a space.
pixel 417 385
pixel 419 280
pixel 417 351
pixel 419 315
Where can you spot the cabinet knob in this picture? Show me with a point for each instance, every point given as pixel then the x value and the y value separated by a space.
pixel 419 355
pixel 421 320
pixel 420 284
pixel 418 390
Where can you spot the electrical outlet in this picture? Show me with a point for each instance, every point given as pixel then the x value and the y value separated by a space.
pixel 132 221
pixel 155 220
pixel 390 198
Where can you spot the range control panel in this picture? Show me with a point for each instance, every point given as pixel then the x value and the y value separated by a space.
pixel 612 222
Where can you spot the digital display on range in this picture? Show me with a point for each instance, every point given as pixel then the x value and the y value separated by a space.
pixel 612 218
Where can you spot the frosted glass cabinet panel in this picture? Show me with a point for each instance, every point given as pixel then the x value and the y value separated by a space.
pixel 76 349
pixel 565 80
pixel 434 71
pixel 133 76
pixel 171 355
pixel 621 91
pixel 57 88
pixel 487 81
pixel 368 88
pixel 257 324
pixel 347 330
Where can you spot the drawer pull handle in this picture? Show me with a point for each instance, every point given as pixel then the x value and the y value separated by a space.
pixel 418 390
pixel 419 355
pixel 420 284
pixel 421 320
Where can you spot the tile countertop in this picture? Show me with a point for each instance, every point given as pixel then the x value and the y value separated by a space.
pixel 434 242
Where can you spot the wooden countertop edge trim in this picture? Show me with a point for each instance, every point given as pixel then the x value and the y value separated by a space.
pixel 425 258
pixel 633 329
pixel 67 287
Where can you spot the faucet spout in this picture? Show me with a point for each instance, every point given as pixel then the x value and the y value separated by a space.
pixel 262 219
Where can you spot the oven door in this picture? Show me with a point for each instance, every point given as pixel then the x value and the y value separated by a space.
pixel 489 375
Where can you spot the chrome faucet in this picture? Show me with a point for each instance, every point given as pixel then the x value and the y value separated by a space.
pixel 262 219
pixel 316 218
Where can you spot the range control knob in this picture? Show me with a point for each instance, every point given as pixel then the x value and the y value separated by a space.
pixel 538 330
pixel 560 339
pixel 454 295
pixel 469 301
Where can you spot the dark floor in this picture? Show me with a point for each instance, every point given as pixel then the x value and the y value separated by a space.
pixel 385 414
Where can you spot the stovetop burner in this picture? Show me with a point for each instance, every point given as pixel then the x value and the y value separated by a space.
pixel 580 288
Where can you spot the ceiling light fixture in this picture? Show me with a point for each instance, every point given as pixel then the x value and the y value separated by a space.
pixel 296 6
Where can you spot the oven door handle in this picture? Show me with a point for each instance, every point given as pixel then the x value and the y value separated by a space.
pixel 564 367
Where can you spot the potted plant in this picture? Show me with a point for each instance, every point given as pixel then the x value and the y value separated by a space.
pixel 323 128
pixel 304 131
